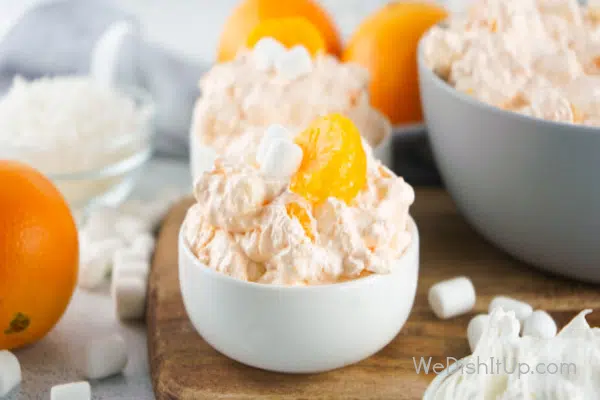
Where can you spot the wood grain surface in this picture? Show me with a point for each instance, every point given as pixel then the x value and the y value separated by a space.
pixel 185 367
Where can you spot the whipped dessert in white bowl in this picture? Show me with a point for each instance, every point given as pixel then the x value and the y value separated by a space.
pixel 284 271
pixel 241 98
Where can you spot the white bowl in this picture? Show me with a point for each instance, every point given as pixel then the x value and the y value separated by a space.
pixel 528 185
pixel 298 329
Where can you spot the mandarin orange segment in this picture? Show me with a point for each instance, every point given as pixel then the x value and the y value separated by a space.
pixel 290 32
pixel 295 210
pixel 334 162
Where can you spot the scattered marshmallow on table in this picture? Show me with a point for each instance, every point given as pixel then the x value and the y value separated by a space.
pixel 127 256
pixel 452 297
pixel 271 133
pixel 540 324
pixel 129 296
pixel 96 260
pixel 104 357
pixel 71 391
pixel 294 63
pixel 128 227
pixel 10 372
pixel 100 223
pixel 282 158
pixel 136 268
pixel 475 329
pixel 143 244
pixel 266 51
pixel 521 309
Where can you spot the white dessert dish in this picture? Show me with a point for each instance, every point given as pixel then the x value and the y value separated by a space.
pixel 298 329
pixel 528 185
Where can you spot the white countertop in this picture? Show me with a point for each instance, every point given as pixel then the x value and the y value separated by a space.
pixel 52 360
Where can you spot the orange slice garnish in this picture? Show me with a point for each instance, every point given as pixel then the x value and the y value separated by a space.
pixel 292 31
pixel 334 162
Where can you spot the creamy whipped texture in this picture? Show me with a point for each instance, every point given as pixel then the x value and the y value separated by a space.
pixel 536 57
pixel 240 99
pixel 240 226
pixel 564 367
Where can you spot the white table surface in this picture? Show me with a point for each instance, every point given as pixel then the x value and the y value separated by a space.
pixel 52 360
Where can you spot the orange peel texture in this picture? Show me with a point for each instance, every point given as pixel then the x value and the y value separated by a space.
pixel 292 31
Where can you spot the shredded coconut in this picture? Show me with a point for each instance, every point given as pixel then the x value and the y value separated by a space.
pixel 70 124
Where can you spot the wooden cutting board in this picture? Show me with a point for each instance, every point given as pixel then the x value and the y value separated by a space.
pixel 184 366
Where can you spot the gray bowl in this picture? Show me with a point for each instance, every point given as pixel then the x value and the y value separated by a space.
pixel 529 186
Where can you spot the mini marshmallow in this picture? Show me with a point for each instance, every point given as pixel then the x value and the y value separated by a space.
pixel 136 268
pixel 129 295
pixel 104 357
pixel 100 224
pixel 71 391
pixel 129 227
pixel 266 51
pixel 143 244
pixel 204 160
pixel 294 63
pixel 273 132
pixel 127 256
pixel 452 297
pixel 540 324
pixel 522 310
pixel 282 159
pixel 150 211
pixel 96 261
pixel 10 372
pixel 475 329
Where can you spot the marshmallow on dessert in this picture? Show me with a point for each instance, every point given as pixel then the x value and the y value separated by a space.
pixel 282 158
pixel 294 63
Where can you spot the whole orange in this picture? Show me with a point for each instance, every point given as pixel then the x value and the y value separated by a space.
pixel 386 44
pixel 39 255
pixel 250 13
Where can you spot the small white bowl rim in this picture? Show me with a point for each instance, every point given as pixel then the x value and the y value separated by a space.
pixel 351 284
pixel 481 106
